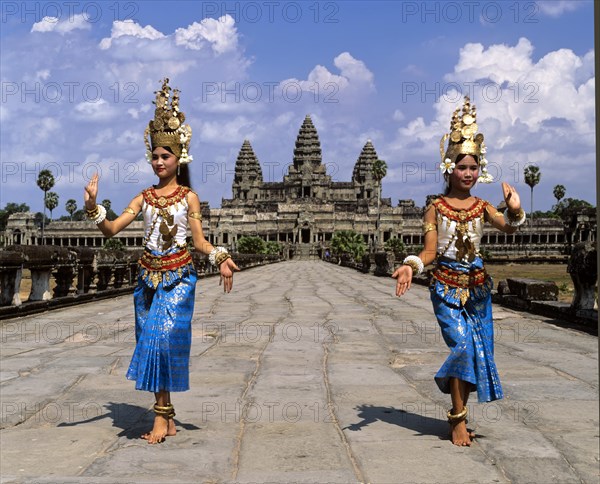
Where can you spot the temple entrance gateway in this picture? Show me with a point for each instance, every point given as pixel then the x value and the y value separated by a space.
pixel 305 236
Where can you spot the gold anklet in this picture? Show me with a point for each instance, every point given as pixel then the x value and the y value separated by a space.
pixel 460 416
pixel 164 411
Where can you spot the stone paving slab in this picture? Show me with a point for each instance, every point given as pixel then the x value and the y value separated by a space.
pixel 307 372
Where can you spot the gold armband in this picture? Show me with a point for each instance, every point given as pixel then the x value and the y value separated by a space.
pixel 498 214
pixel 428 227
pixel 196 215
pixel 129 210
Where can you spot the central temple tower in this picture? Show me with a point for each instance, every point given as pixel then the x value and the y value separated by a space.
pixel 307 177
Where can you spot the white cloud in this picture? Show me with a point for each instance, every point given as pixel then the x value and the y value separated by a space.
pixel 414 70
pixel 42 75
pixel 355 79
pixel 285 119
pixel 498 63
pixel 123 28
pixel 45 127
pixel 532 112
pixel 135 113
pixel 228 131
pixel 586 70
pixel 100 138
pixel 95 111
pixel 129 137
pixel 61 26
pixel 557 86
pixel 220 33
pixel 353 69
pixel 398 115
pixel 322 76
pixel 47 24
pixel 555 8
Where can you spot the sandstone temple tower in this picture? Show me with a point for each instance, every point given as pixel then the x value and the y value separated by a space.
pixel 304 209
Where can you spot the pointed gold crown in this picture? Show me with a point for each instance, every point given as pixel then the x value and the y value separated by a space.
pixel 167 128
pixel 463 140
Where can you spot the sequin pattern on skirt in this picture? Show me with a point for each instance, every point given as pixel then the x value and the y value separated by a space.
pixel 468 331
pixel 163 334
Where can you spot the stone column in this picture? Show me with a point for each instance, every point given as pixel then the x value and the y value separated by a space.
pixel 40 283
pixel 11 272
pixel 64 276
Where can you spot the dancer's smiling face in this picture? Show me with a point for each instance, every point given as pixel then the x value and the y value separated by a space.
pixel 465 173
pixel 164 163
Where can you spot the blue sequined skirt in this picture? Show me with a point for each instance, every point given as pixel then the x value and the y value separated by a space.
pixel 163 316
pixel 467 329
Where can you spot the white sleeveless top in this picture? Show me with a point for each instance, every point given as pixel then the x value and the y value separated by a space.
pixel 454 224
pixel 165 219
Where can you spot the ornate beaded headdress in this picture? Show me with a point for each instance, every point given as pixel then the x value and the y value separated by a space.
pixel 167 128
pixel 464 141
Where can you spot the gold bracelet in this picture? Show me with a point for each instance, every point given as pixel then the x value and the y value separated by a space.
pixel 428 227
pixel 514 217
pixel 221 257
pixel 413 264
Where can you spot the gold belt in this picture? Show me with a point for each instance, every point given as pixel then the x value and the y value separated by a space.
pixel 165 262
pixel 460 279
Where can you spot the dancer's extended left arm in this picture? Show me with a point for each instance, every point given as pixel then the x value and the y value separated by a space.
pixel 227 267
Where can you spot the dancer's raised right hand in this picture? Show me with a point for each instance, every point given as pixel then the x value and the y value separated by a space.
pixel 90 193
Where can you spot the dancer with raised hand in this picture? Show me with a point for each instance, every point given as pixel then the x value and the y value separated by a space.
pixel 164 296
pixel 460 287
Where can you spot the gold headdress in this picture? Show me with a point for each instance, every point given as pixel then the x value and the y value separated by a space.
pixel 167 128
pixel 464 141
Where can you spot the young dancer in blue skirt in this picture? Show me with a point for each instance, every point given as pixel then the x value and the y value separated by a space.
pixel 164 296
pixel 460 287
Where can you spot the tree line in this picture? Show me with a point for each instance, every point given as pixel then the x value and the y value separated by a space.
pixel 46 182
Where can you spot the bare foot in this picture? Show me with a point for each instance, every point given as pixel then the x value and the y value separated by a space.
pixel 460 435
pixel 159 431
pixel 172 430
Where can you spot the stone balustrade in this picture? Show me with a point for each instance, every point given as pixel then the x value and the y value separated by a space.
pixel 80 274
pixel 523 294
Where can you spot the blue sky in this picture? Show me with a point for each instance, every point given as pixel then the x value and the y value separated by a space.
pixel 78 81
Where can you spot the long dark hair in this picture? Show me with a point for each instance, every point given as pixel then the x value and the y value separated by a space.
pixel 183 175
pixel 447 177
pixel 183 178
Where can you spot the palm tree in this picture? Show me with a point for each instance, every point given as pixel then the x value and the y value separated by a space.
pixel 532 178
pixel 71 207
pixel 106 204
pixel 51 202
pixel 559 192
pixel 379 172
pixel 45 181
